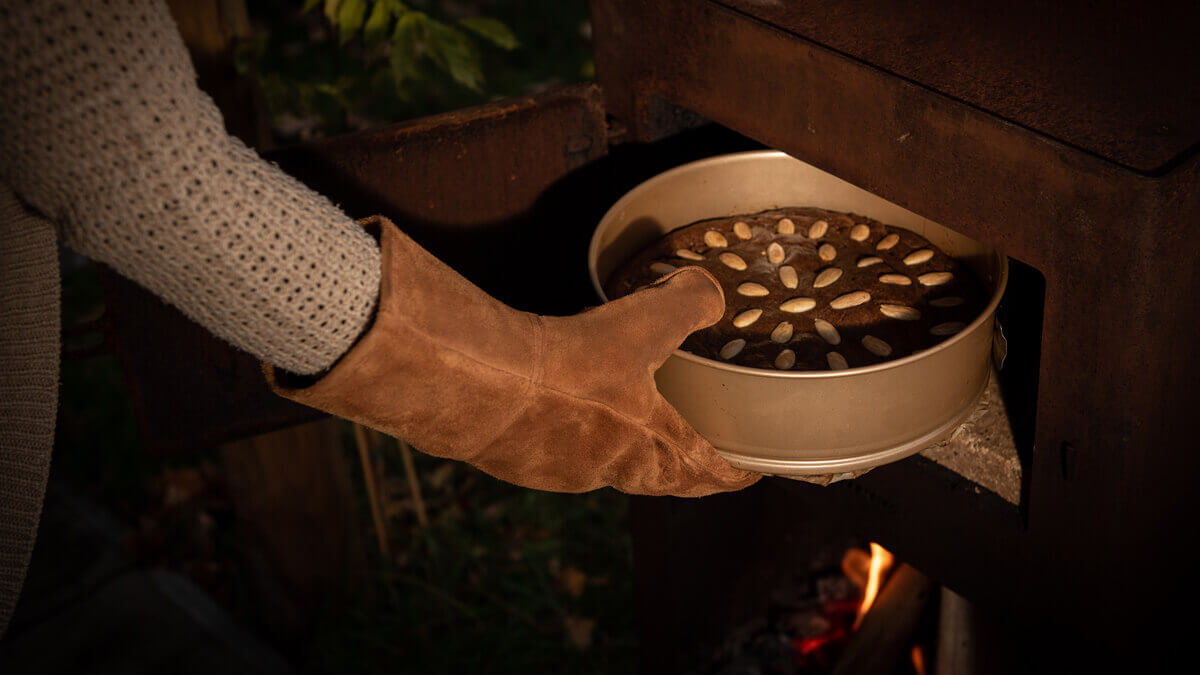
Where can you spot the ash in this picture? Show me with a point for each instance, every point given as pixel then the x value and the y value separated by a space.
pixel 803 631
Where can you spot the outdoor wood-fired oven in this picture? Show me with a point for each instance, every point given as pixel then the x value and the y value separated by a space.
pixel 1063 136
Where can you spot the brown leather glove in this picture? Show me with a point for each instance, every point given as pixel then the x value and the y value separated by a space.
pixel 554 403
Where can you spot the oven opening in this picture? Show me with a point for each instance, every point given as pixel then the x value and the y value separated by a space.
pixel 993 448
pixel 772 551
pixel 857 609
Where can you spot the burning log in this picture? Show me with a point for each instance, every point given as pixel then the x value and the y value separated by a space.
pixel 885 634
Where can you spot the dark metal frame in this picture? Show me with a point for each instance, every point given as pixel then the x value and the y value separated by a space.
pixel 1108 498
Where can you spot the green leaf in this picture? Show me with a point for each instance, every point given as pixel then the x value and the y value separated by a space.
pixel 350 18
pixel 337 92
pixel 309 5
pixel 406 38
pixel 376 28
pixel 247 53
pixel 331 10
pixel 454 53
pixel 491 30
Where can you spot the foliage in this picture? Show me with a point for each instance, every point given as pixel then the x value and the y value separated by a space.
pixel 338 65
pixel 415 34
pixel 502 580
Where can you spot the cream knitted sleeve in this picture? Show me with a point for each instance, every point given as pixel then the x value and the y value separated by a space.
pixel 103 130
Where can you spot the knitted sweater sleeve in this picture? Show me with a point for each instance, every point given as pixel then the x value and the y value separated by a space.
pixel 104 131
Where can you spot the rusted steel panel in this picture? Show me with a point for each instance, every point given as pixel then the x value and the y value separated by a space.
pixel 471 167
pixel 472 185
pixel 1119 80
pixel 478 186
pixel 1116 249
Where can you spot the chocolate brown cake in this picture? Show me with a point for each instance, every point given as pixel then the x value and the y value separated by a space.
pixel 810 289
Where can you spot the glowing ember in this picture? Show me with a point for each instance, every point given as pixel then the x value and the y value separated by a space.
pixel 881 563
pixel 819 651
pixel 806 647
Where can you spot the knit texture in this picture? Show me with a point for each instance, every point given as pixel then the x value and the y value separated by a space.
pixel 29 329
pixel 104 131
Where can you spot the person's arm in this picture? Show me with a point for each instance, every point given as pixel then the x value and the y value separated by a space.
pixel 566 404
pixel 104 131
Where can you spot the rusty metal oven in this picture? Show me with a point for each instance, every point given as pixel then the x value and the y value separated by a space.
pixel 1035 130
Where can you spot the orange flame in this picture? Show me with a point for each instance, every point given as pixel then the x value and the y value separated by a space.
pixel 918 660
pixel 881 562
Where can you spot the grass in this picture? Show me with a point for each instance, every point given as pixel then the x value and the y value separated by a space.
pixel 503 580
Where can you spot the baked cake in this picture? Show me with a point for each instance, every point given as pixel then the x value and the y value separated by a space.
pixel 811 289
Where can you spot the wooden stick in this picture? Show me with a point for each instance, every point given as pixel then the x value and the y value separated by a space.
pixel 414 486
pixel 375 442
pixel 885 635
pixel 368 469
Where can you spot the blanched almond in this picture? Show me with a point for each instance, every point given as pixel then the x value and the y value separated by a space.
pixel 827 331
pixel 732 348
pixel 788 276
pixel 860 232
pixel 752 290
pixel 888 242
pixel 785 226
pixel 742 230
pixel 797 305
pixel 918 256
pixel 836 361
pixel 935 278
pixel 715 239
pixel 782 333
pixel 895 279
pixel 775 253
pixel 850 300
pixel 818 229
pixel 747 317
pixel 876 346
pixel 901 312
pixel 869 260
pixel 732 261
pixel 826 252
pixel 827 276
pixel 687 254
pixel 662 268
pixel 785 360
pixel 948 328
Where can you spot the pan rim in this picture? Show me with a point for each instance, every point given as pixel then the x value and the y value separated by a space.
pixel 987 314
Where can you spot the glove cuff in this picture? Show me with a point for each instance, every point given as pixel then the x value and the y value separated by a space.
pixel 444 365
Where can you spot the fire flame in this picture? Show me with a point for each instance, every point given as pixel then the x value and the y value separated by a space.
pixel 881 563
pixel 918 660
pixel 867 571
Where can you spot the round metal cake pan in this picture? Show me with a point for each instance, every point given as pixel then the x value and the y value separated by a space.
pixel 804 423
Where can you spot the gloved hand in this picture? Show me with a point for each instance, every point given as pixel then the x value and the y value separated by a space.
pixel 555 403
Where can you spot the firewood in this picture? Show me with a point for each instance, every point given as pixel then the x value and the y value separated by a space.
pixel 886 632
